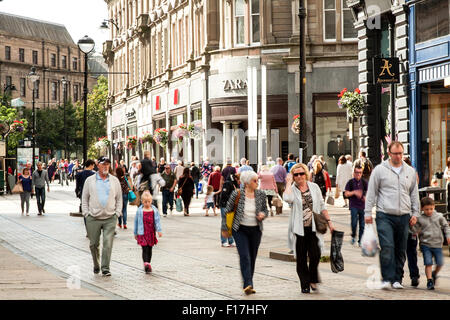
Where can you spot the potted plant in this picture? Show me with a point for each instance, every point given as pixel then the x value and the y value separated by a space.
pixel 161 137
pixel 353 102
pixel 131 142
pixel 17 126
pixel 195 130
pixel 147 137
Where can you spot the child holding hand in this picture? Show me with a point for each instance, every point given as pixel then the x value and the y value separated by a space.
pixel 429 226
pixel 146 223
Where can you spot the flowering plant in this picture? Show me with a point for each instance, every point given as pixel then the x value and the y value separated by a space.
pixel 195 130
pixel 17 126
pixel 147 137
pixel 180 132
pixel 352 101
pixel 131 142
pixel 295 127
pixel 161 137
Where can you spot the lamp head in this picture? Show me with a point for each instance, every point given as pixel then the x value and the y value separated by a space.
pixel 33 76
pixel 86 44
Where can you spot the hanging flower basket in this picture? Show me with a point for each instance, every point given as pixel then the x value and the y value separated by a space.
pixel 180 132
pixel 353 102
pixel 195 130
pixel 131 142
pixel 102 142
pixel 161 137
pixel 17 126
pixel 295 127
pixel 147 137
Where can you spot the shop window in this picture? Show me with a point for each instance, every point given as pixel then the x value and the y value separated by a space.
pixel 239 17
pixel 435 135
pixel 332 135
pixel 329 21
pixel 432 19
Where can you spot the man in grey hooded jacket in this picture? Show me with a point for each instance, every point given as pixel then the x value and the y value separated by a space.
pixel 393 189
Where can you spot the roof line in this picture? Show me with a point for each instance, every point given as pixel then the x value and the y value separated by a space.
pixel 32 19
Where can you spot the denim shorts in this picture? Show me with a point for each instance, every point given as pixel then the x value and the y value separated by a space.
pixel 429 253
pixel 210 205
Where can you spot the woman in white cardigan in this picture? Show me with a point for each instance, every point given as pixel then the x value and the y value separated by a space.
pixel 344 173
pixel 306 198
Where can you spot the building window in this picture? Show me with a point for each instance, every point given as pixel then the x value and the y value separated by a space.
pixel 22 55
pixel 54 84
pixel 255 21
pixel 53 60
pixel 7 53
pixel 432 20
pixel 74 63
pixel 75 92
pixel 227 25
pixel 35 57
pixel 64 62
pixel 22 87
pixel 329 21
pixel 239 18
pixel 349 32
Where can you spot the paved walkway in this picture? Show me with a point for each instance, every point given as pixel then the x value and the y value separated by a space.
pixel 188 261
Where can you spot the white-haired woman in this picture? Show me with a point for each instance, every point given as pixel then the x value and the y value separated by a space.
pixel 250 209
pixel 268 185
pixel 179 169
pixel 303 239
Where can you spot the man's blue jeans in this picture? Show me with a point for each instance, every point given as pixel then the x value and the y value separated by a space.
pixel 393 236
pixel 222 239
pixel 196 188
pixel 40 197
pixel 167 198
pixel 411 252
pixel 357 216
pixel 247 243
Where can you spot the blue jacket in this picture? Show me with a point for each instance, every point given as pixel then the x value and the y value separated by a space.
pixel 139 221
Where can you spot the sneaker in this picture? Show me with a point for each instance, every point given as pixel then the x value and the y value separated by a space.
pixel 106 273
pixel 430 284
pixel 165 215
pixel 385 285
pixel 147 268
pixel 232 245
pixel 96 270
pixel 248 290
pixel 414 282
pixel 225 244
pixel 125 226
pixel 352 242
pixel 43 210
pixel 397 285
pixel 119 225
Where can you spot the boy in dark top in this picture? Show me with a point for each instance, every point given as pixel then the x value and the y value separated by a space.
pixel 355 191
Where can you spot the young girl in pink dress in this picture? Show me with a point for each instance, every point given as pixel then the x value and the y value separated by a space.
pixel 146 223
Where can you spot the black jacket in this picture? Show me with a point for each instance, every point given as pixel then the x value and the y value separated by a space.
pixel 148 168
pixel 195 173
pixel 80 179
pixel 228 187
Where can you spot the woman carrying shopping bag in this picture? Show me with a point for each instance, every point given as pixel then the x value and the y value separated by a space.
pixel 307 200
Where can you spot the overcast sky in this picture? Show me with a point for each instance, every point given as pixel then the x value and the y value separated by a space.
pixel 81 17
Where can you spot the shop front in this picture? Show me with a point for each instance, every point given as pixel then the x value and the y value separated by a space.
pixel 430 88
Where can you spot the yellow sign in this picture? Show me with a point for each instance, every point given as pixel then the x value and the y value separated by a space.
pixel 387 67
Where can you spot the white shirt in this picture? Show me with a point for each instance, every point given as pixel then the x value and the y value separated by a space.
pixel 210 198
pixel 249 218
pixel 397 169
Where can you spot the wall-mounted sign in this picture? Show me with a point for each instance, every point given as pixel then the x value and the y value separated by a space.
pixel 234 85
pixel 131 114
pixel 386 70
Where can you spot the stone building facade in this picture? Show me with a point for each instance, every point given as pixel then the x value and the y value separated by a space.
pixel 199 61
pixel 26 42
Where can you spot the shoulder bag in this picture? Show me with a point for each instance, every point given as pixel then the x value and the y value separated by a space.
pixel 180 189
pixel 17 188
pixel 320 222
pixel 131 196
pixel 230 215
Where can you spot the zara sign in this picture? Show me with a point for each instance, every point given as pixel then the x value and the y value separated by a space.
pixel 238 84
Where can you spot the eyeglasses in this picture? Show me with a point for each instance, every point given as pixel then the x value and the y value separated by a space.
pixel 358 172
pixel 299 174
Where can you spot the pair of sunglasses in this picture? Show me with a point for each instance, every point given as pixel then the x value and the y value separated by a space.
pixel 299 174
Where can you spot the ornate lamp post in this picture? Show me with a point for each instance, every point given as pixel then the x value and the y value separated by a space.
pixel 86 45
pixel 64 83
pixel 34 78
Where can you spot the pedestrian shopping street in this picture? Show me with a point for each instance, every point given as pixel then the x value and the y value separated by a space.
pixel 188 262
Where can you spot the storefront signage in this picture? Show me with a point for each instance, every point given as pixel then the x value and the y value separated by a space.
pixel 386 70
pixel 131 114
pixel 238 84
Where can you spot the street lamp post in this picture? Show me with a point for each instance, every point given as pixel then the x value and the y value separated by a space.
pixel 86 45
pixel 302 95
pixel 64 83
pixel 33 78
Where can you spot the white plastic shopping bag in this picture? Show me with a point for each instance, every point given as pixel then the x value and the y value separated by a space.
pixel 369 244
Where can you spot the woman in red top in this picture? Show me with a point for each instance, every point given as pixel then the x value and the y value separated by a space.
pixel 215 180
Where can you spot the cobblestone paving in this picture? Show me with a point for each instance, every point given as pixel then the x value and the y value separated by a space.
pixel 188 262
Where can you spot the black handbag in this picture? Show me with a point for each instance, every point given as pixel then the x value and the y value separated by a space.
pixel 336 259
pixel 321 223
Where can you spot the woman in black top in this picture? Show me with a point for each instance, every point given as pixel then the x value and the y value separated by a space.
pixel 186 183
pixel 318 177
pixel 195 174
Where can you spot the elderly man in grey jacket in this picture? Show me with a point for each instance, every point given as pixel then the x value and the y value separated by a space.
pixel 101 205
pixel 393 189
